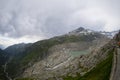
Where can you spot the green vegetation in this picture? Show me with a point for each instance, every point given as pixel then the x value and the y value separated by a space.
pixel 100 72
pixel 25 79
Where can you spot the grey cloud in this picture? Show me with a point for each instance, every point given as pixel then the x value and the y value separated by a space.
pixel 54 17
pixel 24 23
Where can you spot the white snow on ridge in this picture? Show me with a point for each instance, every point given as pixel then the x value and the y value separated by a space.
pixel 82 31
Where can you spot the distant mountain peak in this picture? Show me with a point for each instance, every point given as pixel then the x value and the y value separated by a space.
pixel 81 31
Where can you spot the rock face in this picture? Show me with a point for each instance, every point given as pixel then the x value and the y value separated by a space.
pixel 68 58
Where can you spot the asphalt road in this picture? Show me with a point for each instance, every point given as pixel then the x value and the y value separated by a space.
pixel 117 66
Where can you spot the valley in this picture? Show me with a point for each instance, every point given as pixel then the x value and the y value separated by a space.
pixel 78 55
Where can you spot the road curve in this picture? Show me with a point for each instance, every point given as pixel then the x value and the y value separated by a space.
pixel 115 75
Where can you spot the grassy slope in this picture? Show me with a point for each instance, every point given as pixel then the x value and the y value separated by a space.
pixel 100 72
pixel 25 79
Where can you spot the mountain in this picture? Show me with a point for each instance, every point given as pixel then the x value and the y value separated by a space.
pixel 2 57
pixel 81 31
pixel 72 56
pixel 81 54
pixel 16 49
pixel 2 63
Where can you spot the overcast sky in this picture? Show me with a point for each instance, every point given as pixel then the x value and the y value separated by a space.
pixel 32 20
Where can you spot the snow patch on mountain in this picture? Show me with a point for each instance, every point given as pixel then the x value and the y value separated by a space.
pixel 83 31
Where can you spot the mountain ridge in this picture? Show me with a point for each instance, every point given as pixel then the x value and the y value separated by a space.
pixel 78 51
pixel 81 30
pixel 88 31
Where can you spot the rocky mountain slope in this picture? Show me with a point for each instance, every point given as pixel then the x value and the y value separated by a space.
pixel 63 57
pixel 70 59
